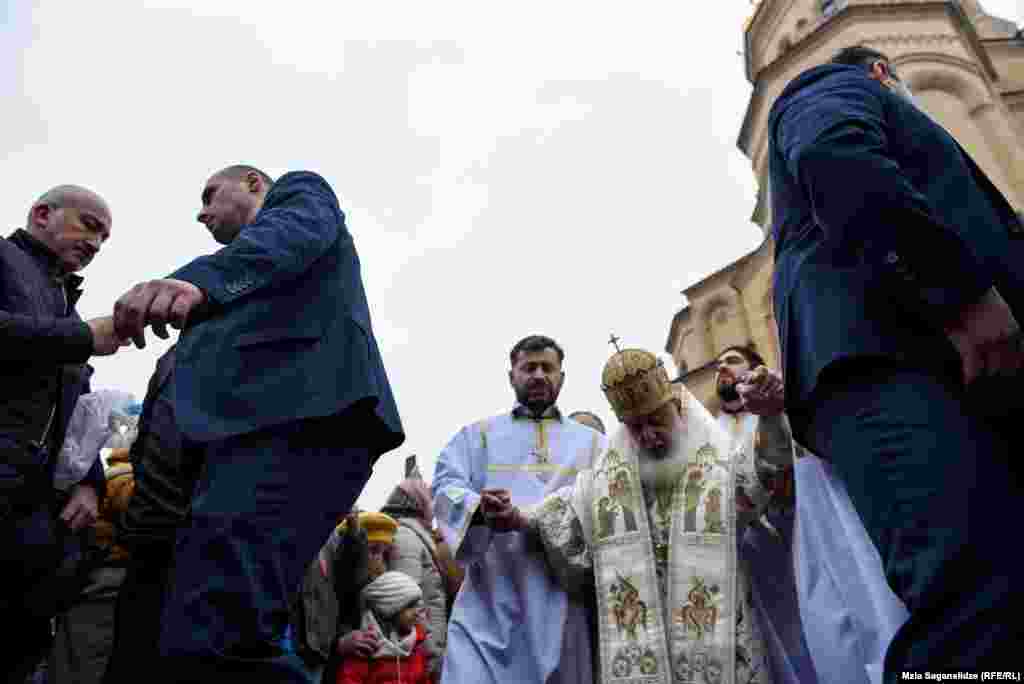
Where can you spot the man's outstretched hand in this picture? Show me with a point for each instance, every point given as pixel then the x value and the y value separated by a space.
pixel 762 391
pixel 104 339
pixel 155 303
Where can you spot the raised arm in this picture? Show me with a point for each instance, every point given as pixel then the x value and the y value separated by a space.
pixel 299 221
pixel 25 337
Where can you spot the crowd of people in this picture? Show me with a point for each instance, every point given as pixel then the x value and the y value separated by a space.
pixel 836 520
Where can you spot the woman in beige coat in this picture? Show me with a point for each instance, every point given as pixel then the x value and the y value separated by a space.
pixel 415 554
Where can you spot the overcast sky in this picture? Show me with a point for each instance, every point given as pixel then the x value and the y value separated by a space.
pixel 563 168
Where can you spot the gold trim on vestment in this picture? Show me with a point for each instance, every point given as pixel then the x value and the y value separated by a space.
pixel 531 468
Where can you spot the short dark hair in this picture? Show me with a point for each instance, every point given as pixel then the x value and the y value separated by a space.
pixel 596 418
pixel 535 343
pixel 242 170
pixel 859 55
pixel 752 357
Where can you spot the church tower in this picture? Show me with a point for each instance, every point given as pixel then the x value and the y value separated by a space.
pixel 966 69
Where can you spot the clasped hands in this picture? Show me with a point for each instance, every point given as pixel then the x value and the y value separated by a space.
pixel 156 303
pixel 498 512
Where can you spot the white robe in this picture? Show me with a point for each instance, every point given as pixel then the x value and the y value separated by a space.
pixel 849 612
pixel 511 622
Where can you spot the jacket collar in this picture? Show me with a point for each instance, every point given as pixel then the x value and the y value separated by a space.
pixel 45 256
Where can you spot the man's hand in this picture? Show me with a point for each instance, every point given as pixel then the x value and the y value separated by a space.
pixel 762 391
pixel 104 340
pixel 499 512
pixel 360 643
pixel 156 303
pixel 82 509
pixel 987 338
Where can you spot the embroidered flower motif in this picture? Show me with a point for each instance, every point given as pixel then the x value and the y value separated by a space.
pixel 621 667
pixel 648 663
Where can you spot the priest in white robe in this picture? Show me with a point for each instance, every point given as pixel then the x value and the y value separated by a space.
pixel 512 623
pixel 652 528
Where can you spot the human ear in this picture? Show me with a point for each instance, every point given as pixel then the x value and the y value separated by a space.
pixel 253 182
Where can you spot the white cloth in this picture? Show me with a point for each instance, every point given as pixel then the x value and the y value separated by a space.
pixel 511 621
pixel 850 614
pixel 391 592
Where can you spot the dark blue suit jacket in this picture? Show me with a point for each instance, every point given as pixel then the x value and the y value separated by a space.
pixel 287 335
pixel 885 229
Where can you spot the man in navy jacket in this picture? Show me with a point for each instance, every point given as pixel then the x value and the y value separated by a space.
pixel 44 347
pixel 280 384
pixel 897 280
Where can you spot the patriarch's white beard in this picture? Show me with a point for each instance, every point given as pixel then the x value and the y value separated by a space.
pixel 663 471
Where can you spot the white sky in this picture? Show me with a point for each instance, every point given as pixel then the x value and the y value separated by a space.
pixel 563 168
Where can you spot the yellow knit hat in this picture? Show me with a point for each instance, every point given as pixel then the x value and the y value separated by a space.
pixel 380 527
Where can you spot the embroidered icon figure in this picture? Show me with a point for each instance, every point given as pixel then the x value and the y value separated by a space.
pixel 700 614
pixel 713 512
pixel 606 514
pixel 692 491
pixel 629 611
pixel 621 491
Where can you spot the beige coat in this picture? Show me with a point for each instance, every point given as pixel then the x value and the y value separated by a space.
pixel 414 557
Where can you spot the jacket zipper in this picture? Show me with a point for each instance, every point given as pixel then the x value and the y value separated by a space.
pixel 53 409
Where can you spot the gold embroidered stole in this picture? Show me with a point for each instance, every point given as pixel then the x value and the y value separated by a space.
pixel 699 639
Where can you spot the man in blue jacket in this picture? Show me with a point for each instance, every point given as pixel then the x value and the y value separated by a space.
pixel 44 347
pixel 280 384
pixel 898 286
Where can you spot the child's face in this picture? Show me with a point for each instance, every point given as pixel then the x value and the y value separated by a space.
pixel 409 616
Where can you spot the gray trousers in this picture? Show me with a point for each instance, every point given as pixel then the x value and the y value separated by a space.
pixel 85 633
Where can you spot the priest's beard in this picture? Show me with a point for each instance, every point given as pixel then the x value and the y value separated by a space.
pixel 662 470
pixel 728 393
pixel 538 403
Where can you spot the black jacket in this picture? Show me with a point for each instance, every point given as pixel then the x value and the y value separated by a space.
pixel 44 346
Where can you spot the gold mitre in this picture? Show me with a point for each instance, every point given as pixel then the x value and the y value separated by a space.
pixel 636 383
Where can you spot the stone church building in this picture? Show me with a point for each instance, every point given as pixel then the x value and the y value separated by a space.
pixel 966 69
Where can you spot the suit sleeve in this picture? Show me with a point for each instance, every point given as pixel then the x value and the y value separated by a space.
pixel 300 220
pixel 36 338
pixel 835 144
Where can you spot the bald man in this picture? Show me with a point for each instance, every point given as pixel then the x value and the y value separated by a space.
pixel 44 347
pixel 280 391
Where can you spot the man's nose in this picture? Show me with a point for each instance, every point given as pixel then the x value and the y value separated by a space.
pixel 203 217
pixel 95 242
